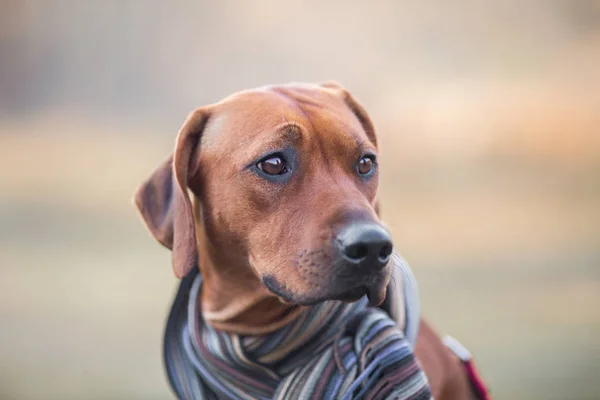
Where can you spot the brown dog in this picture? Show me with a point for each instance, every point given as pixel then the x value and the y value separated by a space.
pixel 273 195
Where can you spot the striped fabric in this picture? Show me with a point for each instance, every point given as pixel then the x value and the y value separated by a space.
pixel 403 304
pixel 334 350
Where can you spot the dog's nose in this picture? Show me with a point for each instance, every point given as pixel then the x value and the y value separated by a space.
pixel 365 244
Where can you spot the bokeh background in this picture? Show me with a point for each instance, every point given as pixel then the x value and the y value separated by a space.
pixel 489 117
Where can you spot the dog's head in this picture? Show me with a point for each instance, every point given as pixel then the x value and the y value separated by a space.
pixel 282 181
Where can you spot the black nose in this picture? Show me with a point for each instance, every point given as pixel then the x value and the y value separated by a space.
pixel 365 244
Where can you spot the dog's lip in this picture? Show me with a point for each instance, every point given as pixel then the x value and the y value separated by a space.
pixel 376 295
pixel 354 293
pixel 373 288
pixel 275 288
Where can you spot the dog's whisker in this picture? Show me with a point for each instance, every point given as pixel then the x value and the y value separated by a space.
pixel 393 283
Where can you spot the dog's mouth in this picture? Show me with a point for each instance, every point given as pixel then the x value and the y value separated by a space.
pixel 375 292
pixel 353 294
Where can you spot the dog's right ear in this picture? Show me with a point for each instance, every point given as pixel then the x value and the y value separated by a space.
pixel 163 199
pixel 358 110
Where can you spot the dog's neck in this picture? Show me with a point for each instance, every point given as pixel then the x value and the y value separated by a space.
pixel 233 298
pixel 237 301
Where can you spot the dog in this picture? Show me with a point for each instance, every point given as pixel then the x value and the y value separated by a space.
pixel 272 193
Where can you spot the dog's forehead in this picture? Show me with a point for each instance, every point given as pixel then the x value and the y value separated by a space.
pixel 253 113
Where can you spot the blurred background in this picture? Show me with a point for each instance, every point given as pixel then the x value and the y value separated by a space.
pixel 489 117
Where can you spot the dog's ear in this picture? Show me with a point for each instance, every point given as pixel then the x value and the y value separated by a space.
pixel 153 200
pixel 356 108
pixel 163 199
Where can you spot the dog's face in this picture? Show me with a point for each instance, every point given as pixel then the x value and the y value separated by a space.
pixel 284 181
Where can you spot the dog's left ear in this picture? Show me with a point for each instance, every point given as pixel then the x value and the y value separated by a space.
pixel 356 108
pixel 164 203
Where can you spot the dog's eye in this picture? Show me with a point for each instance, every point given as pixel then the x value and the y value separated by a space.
pixel 365 165
pixel 273 166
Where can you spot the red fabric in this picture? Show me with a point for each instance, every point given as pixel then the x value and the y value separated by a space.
pixel 476 381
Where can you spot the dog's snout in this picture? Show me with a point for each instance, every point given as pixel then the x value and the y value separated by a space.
pixel 365 244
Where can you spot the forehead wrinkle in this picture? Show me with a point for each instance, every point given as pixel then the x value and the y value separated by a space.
pixel 281 136
pixel 291 131
pixel 286 132
pixel 254 116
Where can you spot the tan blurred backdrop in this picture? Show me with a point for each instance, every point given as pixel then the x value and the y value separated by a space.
pixel 489 117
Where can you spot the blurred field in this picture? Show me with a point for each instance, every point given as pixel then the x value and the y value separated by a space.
pixel 489 117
